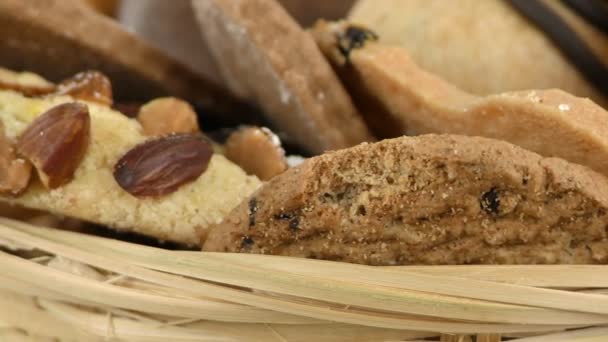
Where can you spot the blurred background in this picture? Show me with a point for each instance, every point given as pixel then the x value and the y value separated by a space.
pixel 483 47
pixel 161 21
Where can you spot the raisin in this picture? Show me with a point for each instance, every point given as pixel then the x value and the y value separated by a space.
pixel 294 223
pixel 253 209
pixel 283 216
pixel 353 38
pixel 247 242
pixel 490 202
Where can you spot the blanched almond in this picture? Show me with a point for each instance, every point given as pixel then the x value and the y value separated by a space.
pixel 167 115
pixel 56 142
pixel 160 166
pixel 14 172
pixel 256 150
pixel 89 85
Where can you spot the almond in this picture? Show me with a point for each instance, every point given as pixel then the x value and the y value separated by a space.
pixel 166 116
pixel 160 166
pixel 256 150
pixel 89 85
pixel 56 142
pixel 14 172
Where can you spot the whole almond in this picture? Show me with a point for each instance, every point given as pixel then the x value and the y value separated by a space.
pixel 14 172
pixel 88 86
pixel 256 150
pixel 56 142
pixel 167 115
pixel 160 166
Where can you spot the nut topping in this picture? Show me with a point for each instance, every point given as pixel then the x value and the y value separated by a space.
pixel 26 83
pixel 258 151
pixel 14 172
pixel 166 116
pixel 56 142
pixel 87 86
pixel 160 166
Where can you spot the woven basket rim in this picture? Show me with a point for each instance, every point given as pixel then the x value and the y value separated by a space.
pixel 150 293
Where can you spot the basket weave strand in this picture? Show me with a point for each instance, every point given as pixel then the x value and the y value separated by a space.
pixel 150 294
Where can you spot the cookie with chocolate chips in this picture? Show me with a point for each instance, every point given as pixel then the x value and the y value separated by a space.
pixel 431 199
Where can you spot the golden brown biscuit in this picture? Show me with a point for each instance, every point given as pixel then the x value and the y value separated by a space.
pixel 265 56
pixel 484 47
pixel 386 81
pixel 432 199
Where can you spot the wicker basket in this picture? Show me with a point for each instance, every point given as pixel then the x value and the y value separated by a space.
pixel 66 286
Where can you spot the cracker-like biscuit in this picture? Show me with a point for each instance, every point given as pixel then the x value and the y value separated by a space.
pixel 432 199
pixel 487 47
pixel 94 195
pixel 264 55
pixel 386 81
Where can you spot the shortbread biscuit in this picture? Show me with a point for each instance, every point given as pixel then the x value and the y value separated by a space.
pixel 265 56
pixel 94 195
pixel 432 199
pixel 487 47
pixel 385 81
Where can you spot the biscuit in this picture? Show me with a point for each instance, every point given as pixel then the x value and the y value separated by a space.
pixel 399 97
pixel 487 47
pixel 265 56
pixel 58 38
pixel 431 199
pixel 93 194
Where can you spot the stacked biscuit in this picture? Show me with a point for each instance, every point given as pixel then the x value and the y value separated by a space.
pixel 516 177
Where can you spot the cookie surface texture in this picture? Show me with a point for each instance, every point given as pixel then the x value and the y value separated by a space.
pixel 432 199
pixel 265 56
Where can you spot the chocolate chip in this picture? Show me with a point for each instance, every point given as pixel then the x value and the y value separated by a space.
pixel 490 201
pixel 253 209
pixel 353 38
pixel 247 242
pixel 294 223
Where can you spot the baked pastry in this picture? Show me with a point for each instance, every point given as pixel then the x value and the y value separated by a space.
pixel 398 97
pixel 493 46
pixel 58 38
pixel 171 188
pixel 432 199
pixel 25 82
pixel 265 56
